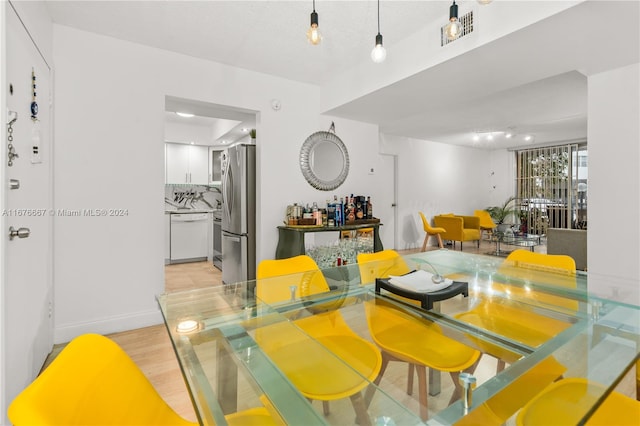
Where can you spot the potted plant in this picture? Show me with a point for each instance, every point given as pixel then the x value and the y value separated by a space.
pixel 500 214
pixel 252 135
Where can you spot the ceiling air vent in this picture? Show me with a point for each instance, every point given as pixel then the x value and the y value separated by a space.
pixel 467 28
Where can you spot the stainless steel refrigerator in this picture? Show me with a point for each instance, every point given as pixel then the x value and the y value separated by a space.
pixel 238 213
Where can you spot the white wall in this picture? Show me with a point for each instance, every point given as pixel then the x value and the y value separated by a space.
pixel 109 133
pixel 436 178
pixel 614 184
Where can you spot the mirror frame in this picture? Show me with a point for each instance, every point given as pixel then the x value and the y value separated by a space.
pixel 307 151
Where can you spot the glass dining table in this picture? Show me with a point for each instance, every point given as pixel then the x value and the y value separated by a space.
pixel 531 327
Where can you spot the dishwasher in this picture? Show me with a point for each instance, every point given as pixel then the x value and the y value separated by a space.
pixel 189 237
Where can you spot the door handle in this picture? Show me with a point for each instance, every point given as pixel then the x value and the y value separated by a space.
pixel 20 232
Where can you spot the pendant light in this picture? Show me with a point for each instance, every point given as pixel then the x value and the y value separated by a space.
pixel 313 34
pixel 454 28
pixel 379 53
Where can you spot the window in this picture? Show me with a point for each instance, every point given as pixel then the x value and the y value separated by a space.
pixel 552 187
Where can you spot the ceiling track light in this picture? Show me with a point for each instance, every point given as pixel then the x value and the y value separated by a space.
pixel 313 33
pixel 379 53
pixel 454 28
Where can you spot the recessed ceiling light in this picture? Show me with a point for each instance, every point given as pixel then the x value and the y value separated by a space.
pixel 192 143
pixel 527 138
pixel 245 130
pixel 508 135
pixel 476 137
pixel 184 114
pixel 489 137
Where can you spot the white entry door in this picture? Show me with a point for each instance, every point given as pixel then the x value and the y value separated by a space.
pixel 385 207
pixel 27 296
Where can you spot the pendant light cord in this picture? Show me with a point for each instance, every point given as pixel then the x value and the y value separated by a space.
pixel 314 5
pixel 378 16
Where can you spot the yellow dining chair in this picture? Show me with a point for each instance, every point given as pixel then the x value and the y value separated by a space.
pixel 566 401
pixel 486 222
pixel 94 382
pixel 430 231
pixel 316 375
pixel 407 338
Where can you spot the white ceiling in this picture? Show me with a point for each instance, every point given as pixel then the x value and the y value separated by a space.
pixel 527 82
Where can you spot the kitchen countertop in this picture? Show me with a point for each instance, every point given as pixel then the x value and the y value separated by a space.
pixel 188 211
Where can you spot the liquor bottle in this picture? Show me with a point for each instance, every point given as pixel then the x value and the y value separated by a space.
pixel 369 208
pixel 351 215
pixel 359 210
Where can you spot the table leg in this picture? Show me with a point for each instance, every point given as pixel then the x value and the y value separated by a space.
pixel 377 243
pixel 434 375
pixel 434 382
pixel 227 381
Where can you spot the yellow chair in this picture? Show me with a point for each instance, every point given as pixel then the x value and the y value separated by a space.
pixel 518 323
pixel 566 401
pixel 94 382
pixel 552 262
pixel 431 231
pixel 395 331
pixel 486 222
pixel 316 375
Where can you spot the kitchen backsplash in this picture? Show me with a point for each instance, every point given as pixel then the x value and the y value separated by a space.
pixel 195 197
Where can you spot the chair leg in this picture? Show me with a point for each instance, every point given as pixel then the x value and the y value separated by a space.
pixel 457 388
pixel 325 408
pixel 422 392
pixel 500 366
pixel 440 241
pixel 368 396
pixel 362 417
pixel 410 380
pixel 424 244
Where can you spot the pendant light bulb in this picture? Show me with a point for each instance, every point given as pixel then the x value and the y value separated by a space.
pixel 313 33
pixel 484 1
pixel 379 53
pixel 454 28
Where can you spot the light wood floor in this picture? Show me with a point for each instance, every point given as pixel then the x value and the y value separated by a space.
pixel 151 349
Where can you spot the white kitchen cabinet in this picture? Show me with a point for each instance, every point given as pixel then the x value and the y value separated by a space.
pixel 187 164
pixel 215 168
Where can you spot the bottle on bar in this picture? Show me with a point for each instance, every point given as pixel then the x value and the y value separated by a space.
pixel 369 208
pixel 360 214
pixel 351 215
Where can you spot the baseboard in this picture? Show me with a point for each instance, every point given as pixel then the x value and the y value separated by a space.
pixel 114 324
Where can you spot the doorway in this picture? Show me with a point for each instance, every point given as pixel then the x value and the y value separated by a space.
pixel 196 134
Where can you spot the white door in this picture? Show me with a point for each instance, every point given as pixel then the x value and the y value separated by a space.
pixel 385 206
pixel 27 262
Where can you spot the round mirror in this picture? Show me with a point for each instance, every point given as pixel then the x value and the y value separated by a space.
pixel 324 161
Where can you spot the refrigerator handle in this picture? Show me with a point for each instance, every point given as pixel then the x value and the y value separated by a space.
pixel 234 239
pixel 227 187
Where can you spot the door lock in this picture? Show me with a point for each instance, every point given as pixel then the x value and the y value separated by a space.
pixel 20 232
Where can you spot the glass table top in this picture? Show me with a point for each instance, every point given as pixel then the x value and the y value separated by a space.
pixel 287 343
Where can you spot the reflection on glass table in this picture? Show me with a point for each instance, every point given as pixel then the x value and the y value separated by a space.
pixel 557 330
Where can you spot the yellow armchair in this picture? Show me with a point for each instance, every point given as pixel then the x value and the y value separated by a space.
pixel 459 228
